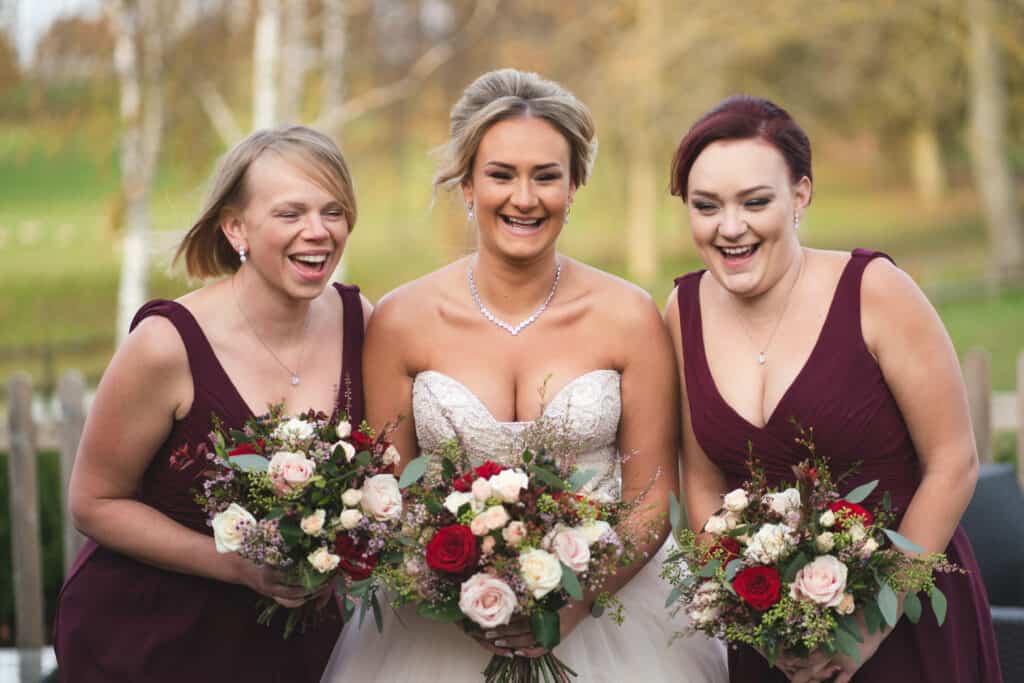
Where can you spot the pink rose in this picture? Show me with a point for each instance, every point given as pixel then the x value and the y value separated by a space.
pixel 571 547
pixel 514 533
pixel 487 547
pixel 382 498
pixel 495 517
pixel 487 600
pixel 290 472
pixel 478 526
pixel 821 581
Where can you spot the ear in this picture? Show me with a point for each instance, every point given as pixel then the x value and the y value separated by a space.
pixel 233 227
pixel 467 191
pixel 802 192
pixel 572 192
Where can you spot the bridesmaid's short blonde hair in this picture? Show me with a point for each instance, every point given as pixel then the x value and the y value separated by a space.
pixel 206 250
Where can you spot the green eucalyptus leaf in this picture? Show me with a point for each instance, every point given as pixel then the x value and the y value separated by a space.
pixel 446 612
pixel 349 610
pixel 887 501
pixel 378 619
pixel 250 462
pixel 571 583
pixel 732 569
pixel 794 566
pixel 861 492
pixel 710 568
pixel 238 436
pixel 850 625
pixel 938 604
pixel 888 604
pixel 597 610
pixel 873 616
pixel 290 530
pixel 673 596
pixel 413 471
pixel 433 506
pixel 546 628
pixel 675 513
pixel 912 607
pixel 363 458
pixel 902 542
pixel 580 478
pixel 847 645
pixel 547 477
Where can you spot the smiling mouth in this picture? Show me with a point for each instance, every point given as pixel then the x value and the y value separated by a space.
pixel 521 223
pixel 313 262
pixel 739 252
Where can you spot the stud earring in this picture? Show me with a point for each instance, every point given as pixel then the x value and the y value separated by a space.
pixel 241 254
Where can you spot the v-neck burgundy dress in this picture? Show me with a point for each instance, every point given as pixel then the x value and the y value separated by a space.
pixel 842 394
pixel 120 619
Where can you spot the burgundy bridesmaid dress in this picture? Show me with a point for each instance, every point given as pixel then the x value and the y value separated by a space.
pixel 841 393
pixel 120 619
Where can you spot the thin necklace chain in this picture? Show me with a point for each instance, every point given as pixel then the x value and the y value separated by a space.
pixel 516 329
pixel 762 355
pixel 302 351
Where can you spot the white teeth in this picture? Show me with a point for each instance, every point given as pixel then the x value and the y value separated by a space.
pixel 310 258
pixel 737 251
pixel 532 222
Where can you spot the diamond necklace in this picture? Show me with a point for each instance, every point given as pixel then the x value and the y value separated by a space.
pixel 302 352
pixel 762 355
pixel 513 330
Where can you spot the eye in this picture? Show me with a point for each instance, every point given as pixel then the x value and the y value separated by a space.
pixel 704 207
pixel 288 215
pixel 757 202
pixel 334 214
pixel 500 175
pixel 549 177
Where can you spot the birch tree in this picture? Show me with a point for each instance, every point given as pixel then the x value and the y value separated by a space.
pixel 265 63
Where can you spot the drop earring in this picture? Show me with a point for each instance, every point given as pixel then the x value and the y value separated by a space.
pixel 241 255
pixel 565 221
pixel 796 221
pixel 469 211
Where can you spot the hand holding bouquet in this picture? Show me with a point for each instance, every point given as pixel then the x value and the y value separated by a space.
pixel 784 570
pixel 307 495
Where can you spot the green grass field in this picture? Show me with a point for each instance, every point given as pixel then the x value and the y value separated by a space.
pixel 59 254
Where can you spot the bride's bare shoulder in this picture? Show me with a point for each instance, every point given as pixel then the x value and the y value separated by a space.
pixel 419 302
pixel 624 303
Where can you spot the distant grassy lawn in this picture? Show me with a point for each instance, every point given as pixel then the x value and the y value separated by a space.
pixel 59 258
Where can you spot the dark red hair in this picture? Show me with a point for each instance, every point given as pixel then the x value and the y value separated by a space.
pixel 742 117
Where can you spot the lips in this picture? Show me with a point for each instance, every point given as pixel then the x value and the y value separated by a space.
pixel 738 252
pixel 522 222
pixel 310 266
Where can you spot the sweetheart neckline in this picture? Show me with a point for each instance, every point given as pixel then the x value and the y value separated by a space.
pixel 513 423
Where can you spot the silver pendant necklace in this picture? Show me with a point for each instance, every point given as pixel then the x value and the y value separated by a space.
pixel 516 329
pixel 295 380
pixel 762 355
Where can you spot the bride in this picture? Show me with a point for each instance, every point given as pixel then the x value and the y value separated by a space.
pixel 484 347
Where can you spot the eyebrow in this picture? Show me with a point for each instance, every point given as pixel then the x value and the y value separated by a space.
pixel 742 193
pixel 511 167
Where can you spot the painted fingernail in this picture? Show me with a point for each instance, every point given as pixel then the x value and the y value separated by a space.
pixel 500 643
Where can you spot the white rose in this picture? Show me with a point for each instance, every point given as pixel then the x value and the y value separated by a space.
pixel 350 518
pixel 229 527
pixel 290 472
pixel 570 546
pixel 495 517
pixel 382 499
pixel 716 525
pixel 481 489
pixel 822 581
pixel 487 600
pixel 391 456
pixel 292 431
pixel 514 533
pixel 323 560
pixel 736 500
pixel 507 484
pixel 703 610
pixel 827 519
pixel 868 549
pixel 732 519
pixel 595 530
pixel 857 533
pixel 456 499
pixel 784 501
pixel 846 605
pixel 478 526
pixel 541 571
pixel 344 429
pixel 313 524
pixel 352 497
pixel 348 449
pixel 825 541
pixel 771 543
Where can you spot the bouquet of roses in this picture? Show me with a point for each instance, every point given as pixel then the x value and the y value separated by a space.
pixel 309 495
pixel 784 570
pixel 492 543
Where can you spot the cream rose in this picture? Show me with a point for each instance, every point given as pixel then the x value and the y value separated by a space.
pixel 348 449
pixel 514 533
pixel 508 483
pixel 352 497
pixel 293 431
pixel 784 501
pixel 570 546
pixel 487 600
pixel 478 526
pixel 323 560
pixel 857 533
pixel 313 524
pixel 595 530
pixel 868 549
pixel 382 499
pixel 736 500
pixel 846 605
pixel 351 518
pixel 344 429
pixel 827 519
pixel 229 527
pixel 825 541
pixel 456 499
pixel 703 609
pixel 495 517
pixel 822 581
pixel 481 489
pixel 487 546
pixel 732 519
pixel 290 472
pixel 771 543
pixel 541 571
pixel 391 456
pixel 716 524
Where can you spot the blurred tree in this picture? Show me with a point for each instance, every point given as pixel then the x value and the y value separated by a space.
pixel 74 48
pixel 265 60
pixel 10 73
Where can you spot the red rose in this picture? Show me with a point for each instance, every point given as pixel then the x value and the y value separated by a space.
pixel 452 550
pixel 851 510
pixel 485 471
pixel 489 469
pixel 247 448
pixel 758 586
pixel 361 441
pixel 355 561
pixel 726 549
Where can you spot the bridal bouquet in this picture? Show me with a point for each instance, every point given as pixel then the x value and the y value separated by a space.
pixel 785 570
pixel 492 543
pixel 309 495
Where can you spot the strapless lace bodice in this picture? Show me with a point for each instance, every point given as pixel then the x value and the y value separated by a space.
pixel 586 411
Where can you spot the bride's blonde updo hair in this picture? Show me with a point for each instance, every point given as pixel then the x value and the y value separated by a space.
pixel 506 94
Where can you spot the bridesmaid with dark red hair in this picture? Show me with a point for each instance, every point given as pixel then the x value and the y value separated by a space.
pixel 845 343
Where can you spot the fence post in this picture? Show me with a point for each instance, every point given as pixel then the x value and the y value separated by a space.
pixel 978 378
pixel 1020 419
pixel 72 413
pixel 27 571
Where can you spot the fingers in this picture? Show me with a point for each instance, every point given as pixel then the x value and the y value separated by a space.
pixel 284 602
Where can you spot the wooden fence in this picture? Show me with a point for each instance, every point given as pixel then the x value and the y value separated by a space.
pixel 23 437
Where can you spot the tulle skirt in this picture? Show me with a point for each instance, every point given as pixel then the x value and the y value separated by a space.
pixel 413 649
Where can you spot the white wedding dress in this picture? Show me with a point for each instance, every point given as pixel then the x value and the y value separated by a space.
pixel 414 649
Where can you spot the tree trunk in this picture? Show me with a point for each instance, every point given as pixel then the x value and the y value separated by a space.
pixel 265 59
pixel 295 60
pixel 988 112
pixel 927 169
pixel 335 34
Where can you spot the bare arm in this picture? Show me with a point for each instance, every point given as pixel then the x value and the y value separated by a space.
pixel 145 388
pixel 703 483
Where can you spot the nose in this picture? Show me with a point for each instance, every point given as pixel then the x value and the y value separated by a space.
pixel 313 227
pixel 523 197
pixel 732 226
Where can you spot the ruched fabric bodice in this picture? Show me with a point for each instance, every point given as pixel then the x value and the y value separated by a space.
pixel 585 412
